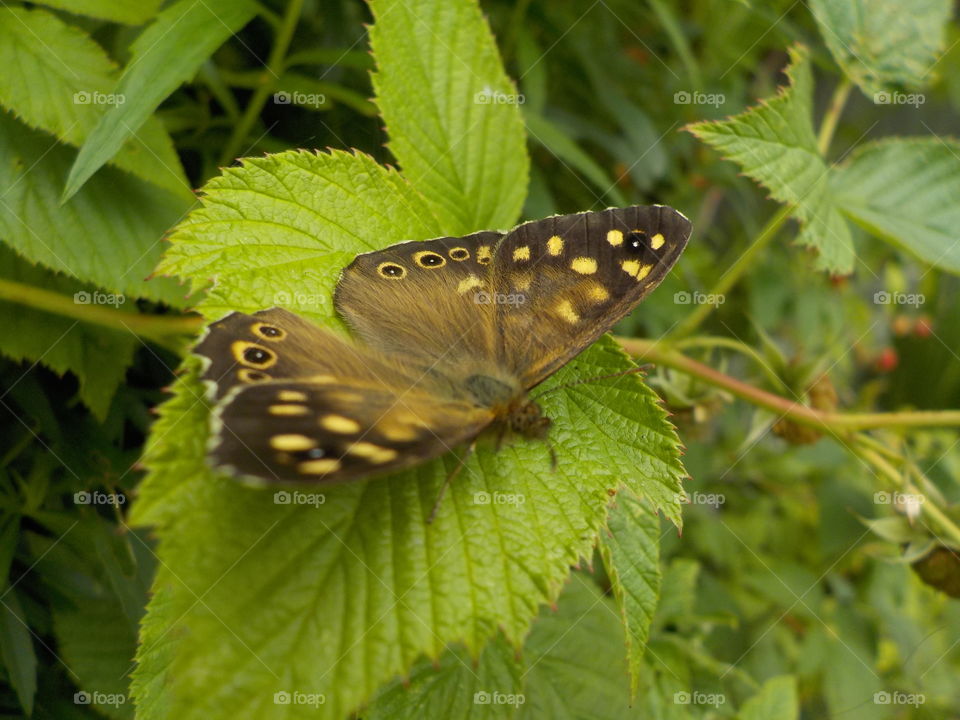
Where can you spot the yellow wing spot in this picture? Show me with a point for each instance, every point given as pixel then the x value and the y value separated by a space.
pixel 555 245
pixel 319 467
pixel 288 410
pixel 657 241
pixel 321 379
pixel 292 396
pixel 521 253
pixel 565 310
pixel 584 265
pixel 410 418
pixel 644 271
pixel 292 443
pixel 397 432
pixel 483 254
pixel 468 283
pixel 339 424
pixel 598 293
pixel 522 282
pixel 374 453
pixel 615 238
pixel 634 268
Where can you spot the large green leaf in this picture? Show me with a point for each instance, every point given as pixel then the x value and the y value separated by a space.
pixel 451 111
pixel 777 700
pixel 630 551
pixel 57 79
pixel 101 236
pixel 884 44
pixel 775 144
pixel 905 190
pixel 97 356
pixel 131 12
pixel 167 54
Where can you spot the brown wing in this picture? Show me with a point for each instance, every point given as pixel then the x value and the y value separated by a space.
pixel 573 277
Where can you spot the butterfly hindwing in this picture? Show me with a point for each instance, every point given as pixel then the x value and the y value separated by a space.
pixel 310 432
pixel 568 279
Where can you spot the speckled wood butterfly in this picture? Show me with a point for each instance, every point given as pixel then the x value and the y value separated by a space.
pixel 452 334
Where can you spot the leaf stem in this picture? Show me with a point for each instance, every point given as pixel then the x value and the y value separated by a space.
pixel 660 352
pixel 832 116
pixel 273 70
pixel 159 328
pixel 692 321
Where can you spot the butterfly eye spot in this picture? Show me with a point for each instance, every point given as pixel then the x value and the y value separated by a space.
pixel 391 271
pixel 253 355
pixel 429 259
pixel 584 265
pixel 374 453
pixel 555 245
pixel 636 240
pixel 269 332
pixel 458 253
pixel 251 376
pixel 339 424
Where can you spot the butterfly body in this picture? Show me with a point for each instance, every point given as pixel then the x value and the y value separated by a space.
pixel 450 335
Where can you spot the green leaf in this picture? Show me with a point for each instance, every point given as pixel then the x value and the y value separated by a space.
pixel 168 53
pixel 97 356
pixel 631 551
pixel 884 44
pixel 575 664
pixel 129 12
pixel 77 88
pixel 904 190
pixel 16 649
pixel 777 700
pixel 451 111
pixel 103 236
pixel 459 688
pixel 775 144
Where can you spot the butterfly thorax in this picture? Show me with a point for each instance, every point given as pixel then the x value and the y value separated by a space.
pixel 526 418
pixel 510 404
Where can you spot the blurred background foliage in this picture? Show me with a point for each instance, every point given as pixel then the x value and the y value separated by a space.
pixel 785 576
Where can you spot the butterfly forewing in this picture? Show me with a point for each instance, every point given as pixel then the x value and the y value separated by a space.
pixel 565 280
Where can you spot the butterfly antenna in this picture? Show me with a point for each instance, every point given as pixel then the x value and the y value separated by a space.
pixel 631 371
pixel 449 479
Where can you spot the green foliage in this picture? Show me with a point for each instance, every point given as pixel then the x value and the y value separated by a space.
pixel 794 590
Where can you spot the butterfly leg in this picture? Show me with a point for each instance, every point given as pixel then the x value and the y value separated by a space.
pixel 449 479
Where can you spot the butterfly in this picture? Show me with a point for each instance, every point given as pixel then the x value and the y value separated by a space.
pixel 450 336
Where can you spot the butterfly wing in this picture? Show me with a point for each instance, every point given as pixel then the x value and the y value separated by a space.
pixel 298 403
pixel 577 276
pixel 306 432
